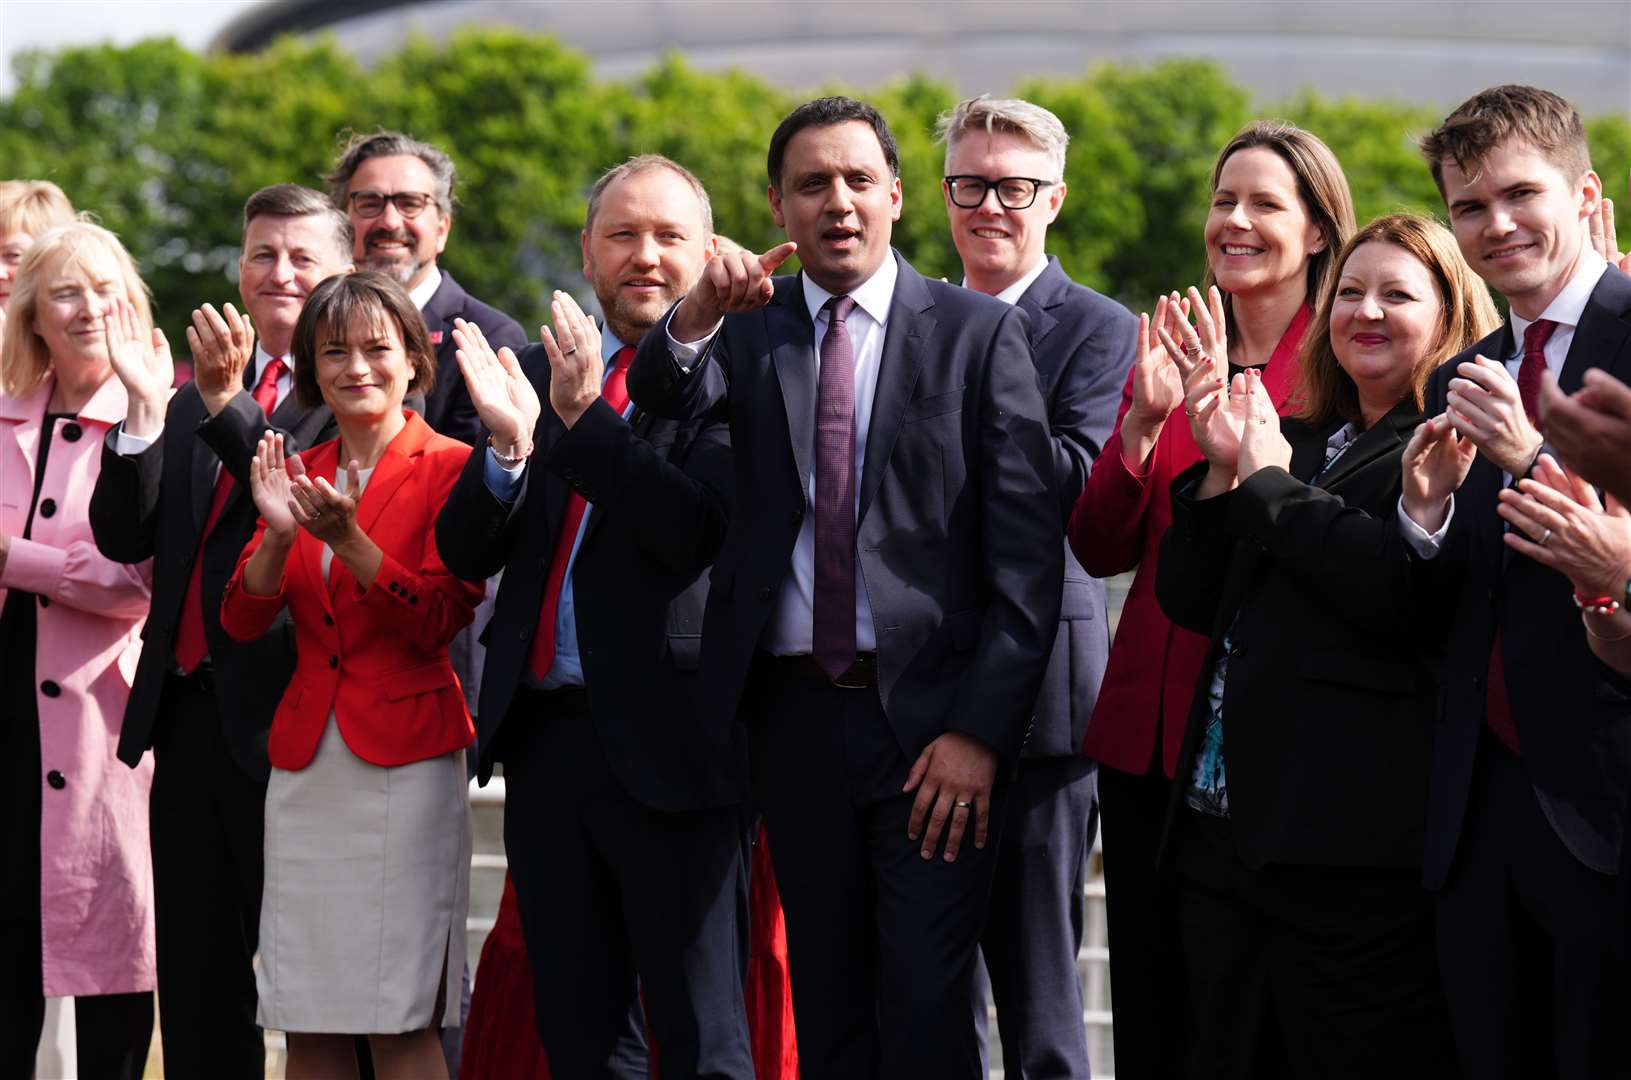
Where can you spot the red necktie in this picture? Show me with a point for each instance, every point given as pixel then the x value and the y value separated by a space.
pixel 832 618
pixel 1497 705
pixel 191 646
pixel 614 392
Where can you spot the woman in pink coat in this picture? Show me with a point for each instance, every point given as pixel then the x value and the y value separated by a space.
pixel 76 915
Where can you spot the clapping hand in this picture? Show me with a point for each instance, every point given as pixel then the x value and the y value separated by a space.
pixel 1591 428
pixel 730 281
pixel 1158 386
pixel 1601 224
pixel 1262 446
pixel 222 344
pixel 143 365
pixel 1558 521
pixel 1435 463
pixel 322 511
pixel 1485 406
pixel 502 393
pixel 271 485
pixel 575 367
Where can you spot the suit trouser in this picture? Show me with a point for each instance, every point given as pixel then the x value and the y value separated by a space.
pixel 1147 981
pixel 1033 933
pixel 1529 941
pixel 1306 971
pixel 208 828
pixel 607 888
pixel 880 941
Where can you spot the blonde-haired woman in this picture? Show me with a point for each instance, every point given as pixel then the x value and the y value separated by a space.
pixel 76 919
pixel 1296 831
pixel 27 209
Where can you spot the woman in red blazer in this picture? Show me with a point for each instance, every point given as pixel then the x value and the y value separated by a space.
pixel 1280 210
pixel 367 815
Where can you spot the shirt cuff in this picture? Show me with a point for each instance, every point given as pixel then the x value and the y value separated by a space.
pixel 686 353
pixel 503 481
pixel 127 445
pixel 1425 544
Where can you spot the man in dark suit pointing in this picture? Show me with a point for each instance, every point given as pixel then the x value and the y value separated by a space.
pixel 1004 185
pixel 888 591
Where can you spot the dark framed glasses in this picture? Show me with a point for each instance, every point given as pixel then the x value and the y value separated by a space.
pixel 371 204
pixel 1014 192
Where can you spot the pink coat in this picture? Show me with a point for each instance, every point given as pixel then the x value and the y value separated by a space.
pixel 96 874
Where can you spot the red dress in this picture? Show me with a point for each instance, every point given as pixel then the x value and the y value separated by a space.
pixel 501 1041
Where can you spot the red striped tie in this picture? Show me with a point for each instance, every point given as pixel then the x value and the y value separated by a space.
pixel 191 646
pixel 614 392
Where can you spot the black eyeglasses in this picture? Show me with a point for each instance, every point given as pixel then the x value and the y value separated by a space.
pixel 1014 192
pixel 371 204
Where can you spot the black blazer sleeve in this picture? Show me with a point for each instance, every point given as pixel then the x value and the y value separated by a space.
pixel 474 528
pixel 125 501
pixel 661 387
pixel 1195 554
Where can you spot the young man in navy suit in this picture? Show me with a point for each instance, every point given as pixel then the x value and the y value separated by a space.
pixel 887 595
pixel 174 488
pixel 1004 185
pixel 1532 763
pixel 623 819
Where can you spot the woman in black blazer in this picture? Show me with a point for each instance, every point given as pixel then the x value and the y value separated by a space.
pixel 1297 818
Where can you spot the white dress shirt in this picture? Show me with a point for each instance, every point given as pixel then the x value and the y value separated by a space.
pixel 1566 309
pixel 127 445
pixel 421 293
pixel 792 618
pixel 1012 293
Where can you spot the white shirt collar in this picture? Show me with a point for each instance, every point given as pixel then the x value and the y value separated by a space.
pixel 262 358
pixel 609 344
pixel 1012 293
pixel 872 296
pixel 1569 305
pixel 421 293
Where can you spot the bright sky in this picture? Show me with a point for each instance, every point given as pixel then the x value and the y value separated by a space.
pixel 48 24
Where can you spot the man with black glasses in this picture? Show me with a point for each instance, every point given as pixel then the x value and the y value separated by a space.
pixel 398 193
pixel 1004 185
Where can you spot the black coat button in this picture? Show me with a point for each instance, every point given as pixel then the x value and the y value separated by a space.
pixel 50 689
pixel 45 601
pixel 48 507
pixel 334 661
pixel 72 431
pixel 796 516
pixel 392 586
pixel 413 599
pixel 764 596
pixel 328 620
pixel 56 779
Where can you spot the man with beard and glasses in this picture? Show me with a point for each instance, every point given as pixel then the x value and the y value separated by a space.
pixel 398 193
pixel 623 813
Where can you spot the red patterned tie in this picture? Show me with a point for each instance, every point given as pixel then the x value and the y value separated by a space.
pixel 191 647
pixel 615 392
pixel 1497 705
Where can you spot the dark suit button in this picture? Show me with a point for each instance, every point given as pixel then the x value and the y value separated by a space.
pixel 796 516
pixel 392 586
pixel 50 689
pixel 413 599
pixel 48 507
pixel 328 620
pixel 526 632
pixel 72 431
pixel 56 779
pixel 764 596
pixel 334 661
pixel 1477 682
pixel 45 601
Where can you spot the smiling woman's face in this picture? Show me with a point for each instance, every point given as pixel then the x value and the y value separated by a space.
pixel 1384 318
pixel 362 368
pixel 72 297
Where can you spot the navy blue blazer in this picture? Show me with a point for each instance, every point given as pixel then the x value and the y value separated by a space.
pixel 1083 344
pixel 1573 713
pixel 448 408
pixel 958 533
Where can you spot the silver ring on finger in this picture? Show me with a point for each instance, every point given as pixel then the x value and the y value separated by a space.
pixel 1544 536
pixel 962 804
pixel 1192 350
pixel 569 352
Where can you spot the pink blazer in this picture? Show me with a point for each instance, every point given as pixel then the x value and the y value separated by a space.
pixel 96 877
pixel 1117 524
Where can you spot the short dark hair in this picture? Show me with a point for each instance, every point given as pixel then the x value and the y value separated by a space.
pixel 293 200
pixel 639 164
pixel 343 297
pixel 825 112
pixel 383 143
pixel 1501 114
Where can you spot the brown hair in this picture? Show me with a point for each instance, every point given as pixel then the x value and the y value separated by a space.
pixel 1321 184
pixel 24 359
pixel 292 200
pixel 1325 391
pixel 32 207
pixel 1503 114
pixel 383 143
pixel 365 294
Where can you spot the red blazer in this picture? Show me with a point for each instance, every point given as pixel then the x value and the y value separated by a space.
pixel 1117 524
pixel 375 657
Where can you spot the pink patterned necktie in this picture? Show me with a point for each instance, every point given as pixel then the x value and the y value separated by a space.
pixel 833 620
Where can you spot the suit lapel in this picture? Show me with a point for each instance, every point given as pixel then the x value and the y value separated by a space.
pixel 1045 293
pixel 204 463
pixel 1383 437
pixel 903 352
pixel 30 407
pixel 792 347
pixel 1604 329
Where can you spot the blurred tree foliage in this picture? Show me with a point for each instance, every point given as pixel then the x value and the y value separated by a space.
pixel 165 144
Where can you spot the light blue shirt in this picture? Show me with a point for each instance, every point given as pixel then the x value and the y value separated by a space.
pixel 567 669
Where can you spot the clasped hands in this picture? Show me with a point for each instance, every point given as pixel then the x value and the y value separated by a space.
pixel 289 499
